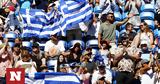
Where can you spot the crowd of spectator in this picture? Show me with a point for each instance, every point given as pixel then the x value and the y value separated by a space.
pixel 118 46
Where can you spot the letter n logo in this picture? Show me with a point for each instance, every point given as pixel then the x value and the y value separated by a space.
pixel 15 76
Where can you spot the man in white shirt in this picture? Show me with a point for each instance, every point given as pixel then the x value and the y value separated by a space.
pixel 102 76
pixel 52 49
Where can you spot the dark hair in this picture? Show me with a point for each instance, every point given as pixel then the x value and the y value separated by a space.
pixel 103 17
pixel 128 24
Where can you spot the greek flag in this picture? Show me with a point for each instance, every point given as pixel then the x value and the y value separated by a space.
pixel 51 78
pixel 73 12
pixel 37 23
pixel 40 24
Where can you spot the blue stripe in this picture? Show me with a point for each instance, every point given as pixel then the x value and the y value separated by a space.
pixel 60 82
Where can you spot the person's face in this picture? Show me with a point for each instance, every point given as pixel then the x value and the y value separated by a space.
pixel 76 49
pixel 26 59
pixel 64 70
pixel 17 41
pixel 110 18
pixel 142 26
pixel 104 45
pixel 156 23
pixel 61 58
pixel 54 38
pixel 129 27
pixel 102 70
pixel 35 49
pixel 16 49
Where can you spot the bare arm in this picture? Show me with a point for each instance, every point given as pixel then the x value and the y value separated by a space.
pixel 138 4
pixel 125 20
pixel 99 40
pixel 151 38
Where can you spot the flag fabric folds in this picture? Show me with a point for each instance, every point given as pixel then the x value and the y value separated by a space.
pixel 51 78
pixel 74 12
pixel 40 24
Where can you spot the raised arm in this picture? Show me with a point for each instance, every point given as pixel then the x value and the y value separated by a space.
pixel 125 20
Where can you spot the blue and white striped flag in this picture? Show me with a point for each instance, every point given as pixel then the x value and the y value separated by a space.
pixel 38 23
pixel 74 12
pixel 52 78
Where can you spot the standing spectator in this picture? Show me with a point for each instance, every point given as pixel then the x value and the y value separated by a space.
pixel 145 34
pixel 107 29
pixel 125 63
pixel 16 54
pixel 26 62
pixel 102 76
pixel 84 75
pixel 104 52
pixel 133 6
pixel 5 61
pixel 37 55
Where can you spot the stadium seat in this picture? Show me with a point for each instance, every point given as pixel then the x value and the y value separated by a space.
pixel 97 10
pixel 11 36
pixel 147 8
pixel 71 43
pixel 147 16
pixel 11 44
pixel 41 46
pixel 64 43
pixel 92 43
pixel 52 65
pixel 118 16
pixel 124 15
pixel 122 31
pixel 150 24
pixel 28 45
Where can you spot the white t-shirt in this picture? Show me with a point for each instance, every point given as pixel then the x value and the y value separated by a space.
pixel 147 78
pixel 96 76
pixel 49 44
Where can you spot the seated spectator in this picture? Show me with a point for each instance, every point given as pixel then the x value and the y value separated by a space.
pixel 61 60
pixel 37 55
pixel 16 54
pixel 65 68
pixel 73 55
pixel 52 49
pixel 102 76
pixel 85 60
pixel 145 34
pixel 26 62
pixel 5 61
pixel 129 32
pixel 92 28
